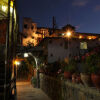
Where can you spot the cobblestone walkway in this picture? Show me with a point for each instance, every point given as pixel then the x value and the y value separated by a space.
pixel 25 91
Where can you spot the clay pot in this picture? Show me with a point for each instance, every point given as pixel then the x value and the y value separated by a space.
pixel 96 80
pixel 86 79
pixel 67 75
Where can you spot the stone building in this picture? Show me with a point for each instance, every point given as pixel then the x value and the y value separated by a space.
pixel 32 34
pixel 61 48
pixel 29 32
pixel 44 31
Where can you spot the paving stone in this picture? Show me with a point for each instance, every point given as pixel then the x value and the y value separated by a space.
pixel 25 91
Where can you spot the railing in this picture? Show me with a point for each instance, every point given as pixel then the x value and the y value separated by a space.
pixel 58 89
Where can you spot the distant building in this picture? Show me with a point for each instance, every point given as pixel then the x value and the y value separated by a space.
pixel 68 28
pixel 30 32
pixel 44 31
pixel 58 48
pixel 32 35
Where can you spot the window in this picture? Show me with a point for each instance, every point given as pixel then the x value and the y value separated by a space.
pixel 83 45
pixel 32 37
pixel 32 27
pixel 25 26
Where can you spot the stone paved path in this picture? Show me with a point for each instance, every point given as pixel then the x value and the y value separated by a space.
pixel 25 91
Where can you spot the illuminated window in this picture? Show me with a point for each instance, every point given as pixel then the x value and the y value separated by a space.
pixel 83 45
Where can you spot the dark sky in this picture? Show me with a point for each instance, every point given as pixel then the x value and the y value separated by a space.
pixel 84 14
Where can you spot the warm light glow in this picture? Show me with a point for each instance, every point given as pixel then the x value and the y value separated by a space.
pixel 90 38
pixel 4 8
pixel 25 55
pixel 80 37
pixel 63 34
pixel 68 33
pixel 11 9
pixel 11 3
pixel 16 62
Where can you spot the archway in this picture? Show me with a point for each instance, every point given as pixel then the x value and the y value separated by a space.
pixel 25 68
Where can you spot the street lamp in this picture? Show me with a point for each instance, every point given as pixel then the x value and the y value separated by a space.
pixel 4 8
pixel 26 55
pixel 36 61
pixel 68 34
pixel 16 62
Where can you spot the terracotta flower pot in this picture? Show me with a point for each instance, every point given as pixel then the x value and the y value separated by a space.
pixel 67 75
pixel 86 79
pixel 96 80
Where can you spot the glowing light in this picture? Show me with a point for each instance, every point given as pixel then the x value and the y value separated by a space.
pixel 11 9
pixel 25 55
pixel 63 34
pixel 11 3
pixel 68 33
pixel 16 62
pixel 89 38
pixel 4 8
pixel 80 37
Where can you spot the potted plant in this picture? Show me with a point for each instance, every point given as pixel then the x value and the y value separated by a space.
pixel 86 69
pixel 76 74
pixel 85 74
pixel 34 82
pixel 95 69
pixel 69 69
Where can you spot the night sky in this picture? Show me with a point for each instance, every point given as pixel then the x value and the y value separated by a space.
pixel 83 14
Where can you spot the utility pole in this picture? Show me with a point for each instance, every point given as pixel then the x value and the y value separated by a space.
pixel 54 23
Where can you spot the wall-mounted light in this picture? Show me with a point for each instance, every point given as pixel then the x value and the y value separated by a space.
pixel 16 62
pixel 4 8
pixel 68 33
pixel 63 34
pixel 26 55
pixel 80 37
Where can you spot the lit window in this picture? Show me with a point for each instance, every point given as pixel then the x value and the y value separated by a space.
pixel 83 45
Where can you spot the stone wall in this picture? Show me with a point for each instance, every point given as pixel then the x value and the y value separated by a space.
pixel 66 90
